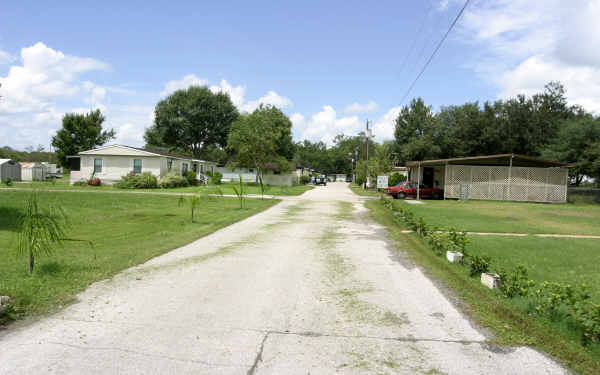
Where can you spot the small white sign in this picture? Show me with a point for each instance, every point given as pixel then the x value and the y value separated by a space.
pixel 382 182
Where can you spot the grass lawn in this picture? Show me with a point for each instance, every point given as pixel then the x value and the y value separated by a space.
pixel 360 191
pixel 520 217
pixel 126 230
pixel 550 259
pixel 226 188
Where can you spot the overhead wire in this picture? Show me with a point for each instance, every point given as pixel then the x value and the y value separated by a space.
pixel 439 45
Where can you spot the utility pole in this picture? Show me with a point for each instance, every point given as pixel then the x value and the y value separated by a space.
pixel 367 136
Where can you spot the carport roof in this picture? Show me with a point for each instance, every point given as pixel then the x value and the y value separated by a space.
pixel 500 159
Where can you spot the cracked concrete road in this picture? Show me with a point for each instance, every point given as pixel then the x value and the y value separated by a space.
pixel 309 286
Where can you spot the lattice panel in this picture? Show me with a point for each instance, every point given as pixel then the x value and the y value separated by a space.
pixel 493 183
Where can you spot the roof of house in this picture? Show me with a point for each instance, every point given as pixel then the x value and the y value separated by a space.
pixel 2 161
pixel 152 152
pixel 500 159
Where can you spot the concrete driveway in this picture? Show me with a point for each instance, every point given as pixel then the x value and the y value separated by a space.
pixel 310 286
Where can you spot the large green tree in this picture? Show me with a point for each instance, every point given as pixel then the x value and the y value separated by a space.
pixel 80 132
pixel 578 143
pixel 261 138
pixel 192 120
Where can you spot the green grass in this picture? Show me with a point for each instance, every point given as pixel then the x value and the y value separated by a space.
pixel 126 230
pixel 360 191
pixel 520 217
pixel 510 319
pixel 226 188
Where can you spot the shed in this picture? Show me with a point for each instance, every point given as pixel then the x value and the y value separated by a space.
pixel 9 169
pixel 33 171
pixel 509 177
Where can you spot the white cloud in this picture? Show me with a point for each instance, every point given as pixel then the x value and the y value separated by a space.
pixel 384 127
pixel 356 107
pixel 271 98
pixel 37 91
pixel 527 43
pixel 324 125
pixel 236 93
pixel 184 83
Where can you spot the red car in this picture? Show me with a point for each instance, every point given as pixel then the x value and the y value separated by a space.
pixel 409 189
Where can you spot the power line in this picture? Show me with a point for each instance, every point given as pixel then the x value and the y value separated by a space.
pixel 414 42
pixel 434 52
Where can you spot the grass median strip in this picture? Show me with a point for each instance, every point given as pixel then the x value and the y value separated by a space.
pixel 126 230
pixel 509 319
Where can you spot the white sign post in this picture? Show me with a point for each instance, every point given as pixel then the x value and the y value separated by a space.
pixel 382 182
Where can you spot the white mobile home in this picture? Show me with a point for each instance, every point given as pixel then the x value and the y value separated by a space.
pixel 110 163
pixel 9 169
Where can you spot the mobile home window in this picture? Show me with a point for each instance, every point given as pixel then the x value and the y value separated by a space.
pixel 201 168
pixel 169 164
pixel 184 168
pixel 137 165
pixel 97 165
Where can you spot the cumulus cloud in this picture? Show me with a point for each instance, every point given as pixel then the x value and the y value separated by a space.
pixel 236 93
pixel 384 127
pixel 356 107
pixel 527 43
pixel 184 83
pixel 35 93
pixel 325 125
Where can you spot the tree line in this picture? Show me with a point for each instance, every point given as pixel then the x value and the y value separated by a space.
pixel 206 125
pixel 542 125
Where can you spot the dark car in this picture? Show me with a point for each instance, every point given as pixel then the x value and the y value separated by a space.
pixel 409 189
pixel 349 179
pixel 321 180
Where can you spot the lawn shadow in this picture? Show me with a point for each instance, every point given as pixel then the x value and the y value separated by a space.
pixel 9 218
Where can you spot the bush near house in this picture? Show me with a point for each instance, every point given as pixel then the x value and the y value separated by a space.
pixel 132 180
pixel 190 176
pixel 215 177
pixel 172 180
pixel 94 181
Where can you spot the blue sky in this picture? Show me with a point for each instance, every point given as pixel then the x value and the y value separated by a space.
pixel 329 65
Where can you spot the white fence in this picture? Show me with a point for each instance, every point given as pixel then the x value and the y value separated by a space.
pixel 506 183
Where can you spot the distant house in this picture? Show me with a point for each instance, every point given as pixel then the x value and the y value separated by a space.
pixel 9 169
pixel 110 163
pixel 248 174
pixel 494 177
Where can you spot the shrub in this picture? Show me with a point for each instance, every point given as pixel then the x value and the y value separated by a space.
pixel 360 180
pixel 396 178
pixel 215 178
pixel 172 180
pixel 145 180
pixel 190 176
pixel 8 181
pixel 94 181
pixel 305 180
pixel 80 183
pixel 515 283
pixel 479 264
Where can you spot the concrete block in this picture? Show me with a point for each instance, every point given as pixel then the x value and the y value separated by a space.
pixel 454 256
pixel 491 280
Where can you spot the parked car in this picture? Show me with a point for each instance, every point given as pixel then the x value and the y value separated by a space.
pixel 409 189
pixel 349 179
pixel 321 180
